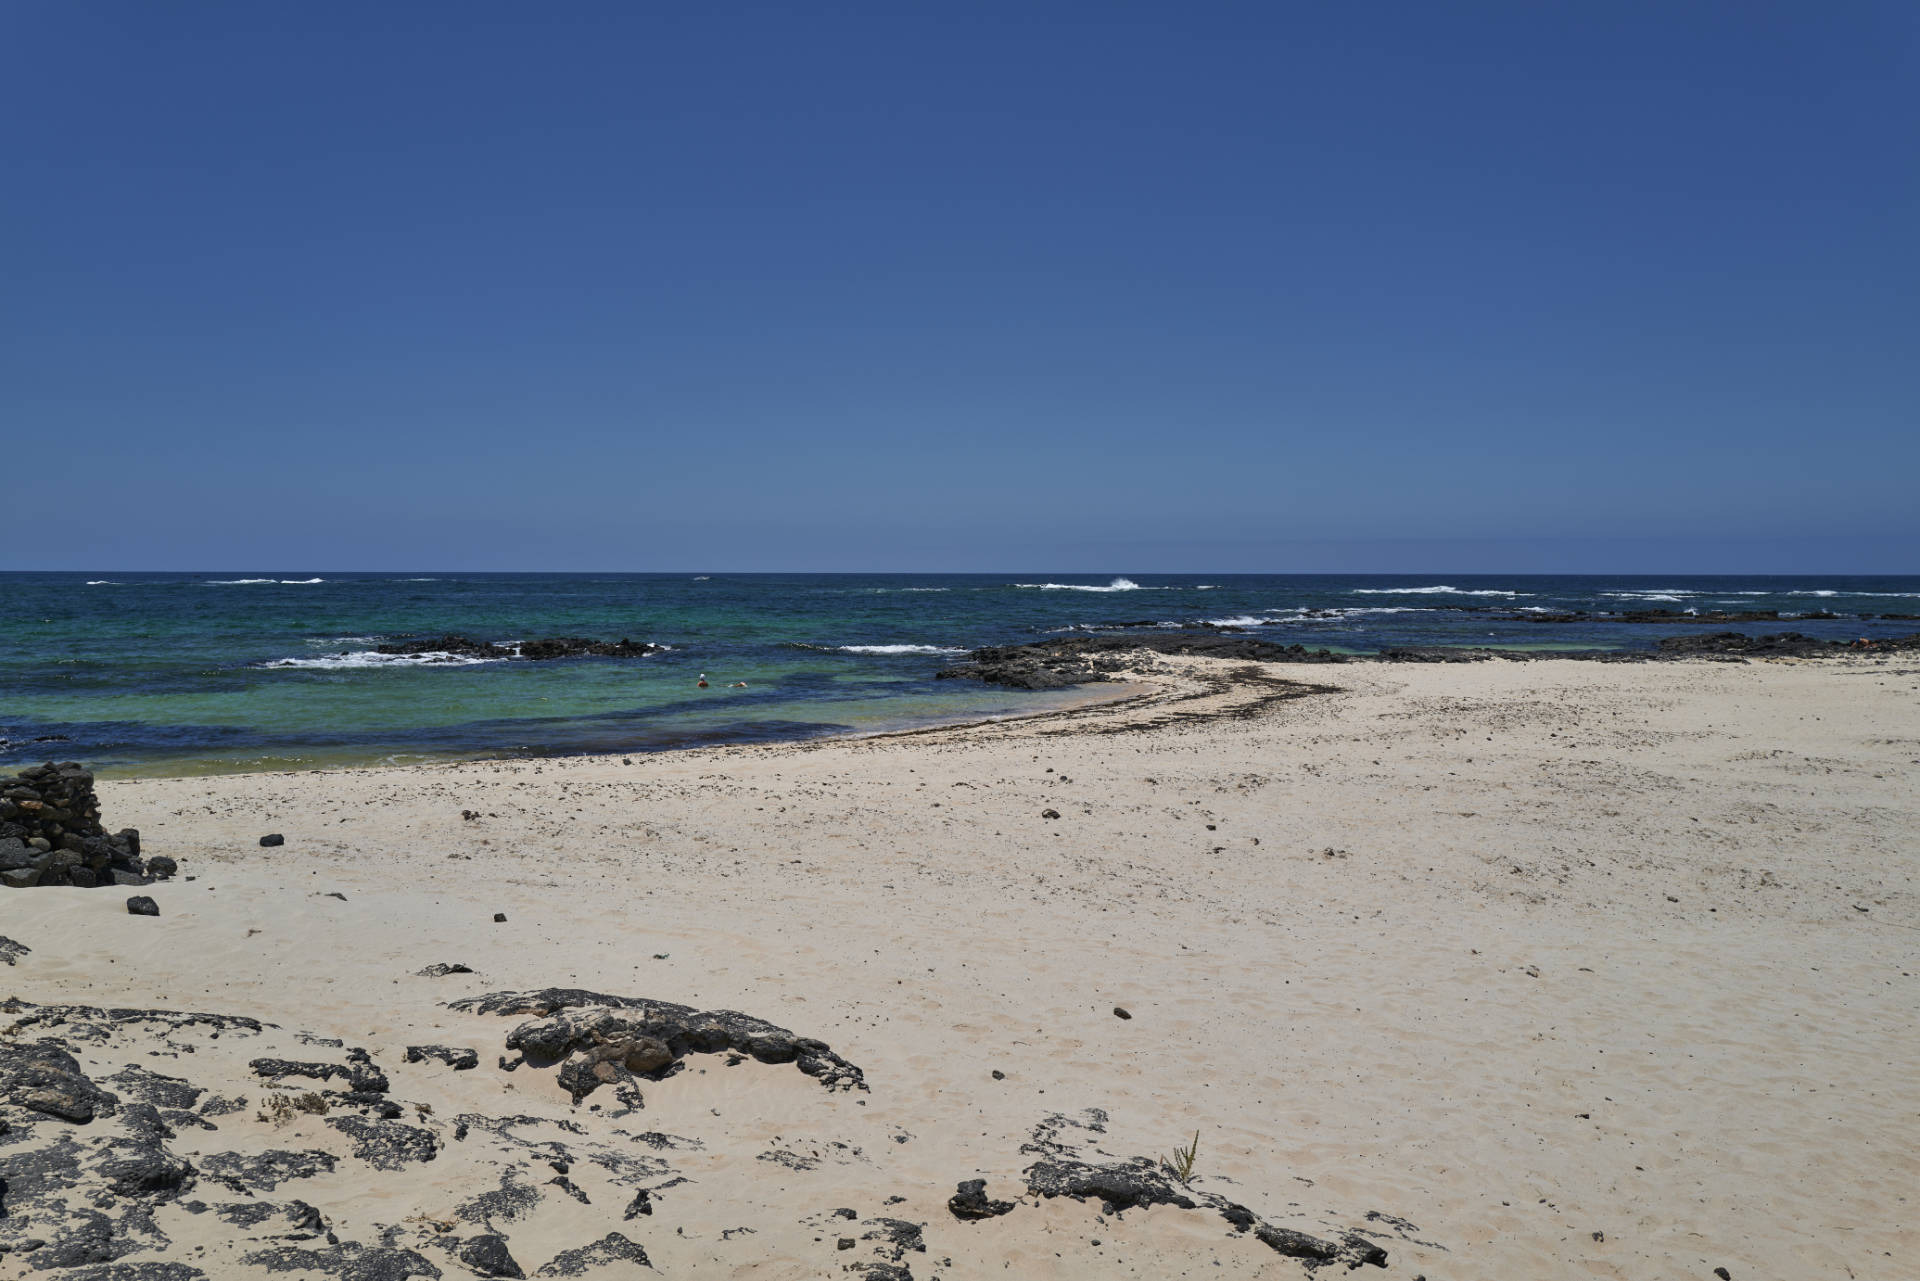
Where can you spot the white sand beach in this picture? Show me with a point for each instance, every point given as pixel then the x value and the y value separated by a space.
pixel 1518 970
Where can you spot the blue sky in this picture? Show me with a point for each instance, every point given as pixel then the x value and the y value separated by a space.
pixel 1241 287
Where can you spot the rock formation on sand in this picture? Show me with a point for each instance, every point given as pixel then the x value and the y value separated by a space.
pixel 154 1145
pixel 50 833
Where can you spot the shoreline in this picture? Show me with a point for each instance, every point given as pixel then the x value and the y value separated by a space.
pixel 1462 962
pixel 1062 662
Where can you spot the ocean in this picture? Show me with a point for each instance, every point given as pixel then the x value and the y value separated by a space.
pixel 172 673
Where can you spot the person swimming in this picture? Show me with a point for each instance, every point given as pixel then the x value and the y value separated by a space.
pixel 703 680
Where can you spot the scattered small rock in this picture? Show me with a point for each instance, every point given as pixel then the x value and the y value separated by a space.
pixel 272 839
pixel 141 905
pixel 1120 1012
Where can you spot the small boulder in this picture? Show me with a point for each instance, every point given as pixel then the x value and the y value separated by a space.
pixel 271 840
pixel 488 1256
pixel 141 905
pixel 162 866
pixel 971 1202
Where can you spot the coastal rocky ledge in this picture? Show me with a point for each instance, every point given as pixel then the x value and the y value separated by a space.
pixel 1083 660
pixel 526 651
pixel 50 834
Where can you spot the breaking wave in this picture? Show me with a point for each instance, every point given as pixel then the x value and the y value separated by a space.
pixel 898 649
pixel 1434 591
pixel 1117 585
pixel 373 658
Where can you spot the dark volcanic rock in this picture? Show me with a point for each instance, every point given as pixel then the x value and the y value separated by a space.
pixel 971 1202
pixel 387 1145
pixel 1781 645
pixel 152 1087
pixel 271 839
pixel 141 905
pixel 611 1248
pixel 50 832
pixel 458 1058
pixel 1080 660
pixel 488 1255
pixel 601 1036
pixel 42 1077
pixel 11 951
pixel 531 651
pixel 359 1072
pixel 265 1171
pixel 348 1261
pixel 1119 1186
pixel 1124 1185
pixel 440 969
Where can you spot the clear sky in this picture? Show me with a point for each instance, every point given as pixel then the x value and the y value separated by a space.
pixel 1274 287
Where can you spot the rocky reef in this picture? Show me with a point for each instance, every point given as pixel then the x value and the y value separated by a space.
pixel 1081 660
pixel 525 651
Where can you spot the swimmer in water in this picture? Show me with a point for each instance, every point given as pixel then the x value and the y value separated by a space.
pixel 703 680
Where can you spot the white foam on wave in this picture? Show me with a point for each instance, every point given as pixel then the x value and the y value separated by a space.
pixel 882 591
pixel 898 649
pixel 373 658
pixel 1442 590
pixel 1117 585
pixel 1895 595
pixel 242 582
pixel 1676 595
pixel 1241 620
pixel 102 582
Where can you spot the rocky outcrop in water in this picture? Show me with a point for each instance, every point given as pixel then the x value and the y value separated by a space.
pixel 50 833
pixel 1082 660
pixel 1780 645
pixel 530 651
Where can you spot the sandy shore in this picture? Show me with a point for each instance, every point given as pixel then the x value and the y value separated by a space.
pixel 1520 970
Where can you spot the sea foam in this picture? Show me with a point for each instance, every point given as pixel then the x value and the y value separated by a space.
pixel 1433 591
pixel 1117 585
pixel 373 658
pixel 897 649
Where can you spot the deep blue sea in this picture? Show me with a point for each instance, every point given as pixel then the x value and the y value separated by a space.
pixel 265 670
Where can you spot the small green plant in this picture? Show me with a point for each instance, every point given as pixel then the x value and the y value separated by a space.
pixel 1180 1164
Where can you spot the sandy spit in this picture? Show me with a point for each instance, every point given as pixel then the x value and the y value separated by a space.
pixel 1520 970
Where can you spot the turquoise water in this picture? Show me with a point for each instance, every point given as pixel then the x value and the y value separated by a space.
pixel 167 673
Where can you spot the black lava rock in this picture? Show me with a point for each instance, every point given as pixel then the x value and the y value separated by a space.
pixel 488 1255
pixel 141 905
pixel 971 1202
